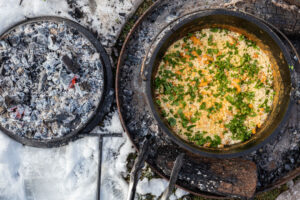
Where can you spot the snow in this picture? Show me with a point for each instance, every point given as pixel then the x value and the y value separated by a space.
pixel 292 194
pixel 11 184
pixel 178 194
pixel 121 11
pixel 29 173
pixel 12 13
pixel 111 125
pixel 70 172
pixel 154 186
pixel 107 17
pixel 113 185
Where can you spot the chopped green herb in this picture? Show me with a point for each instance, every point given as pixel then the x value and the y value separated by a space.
pixel 172 121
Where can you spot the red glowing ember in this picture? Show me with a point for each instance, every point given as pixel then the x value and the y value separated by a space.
pixel 19 115
pixel 73 82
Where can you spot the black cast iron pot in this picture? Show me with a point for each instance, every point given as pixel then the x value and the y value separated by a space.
pixel 267 39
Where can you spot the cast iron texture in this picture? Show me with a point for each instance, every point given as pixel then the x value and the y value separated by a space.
pixel 277 162
pixel 244 22
pixel 106 99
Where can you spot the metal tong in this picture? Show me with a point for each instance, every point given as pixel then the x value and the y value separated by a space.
pixel 138 166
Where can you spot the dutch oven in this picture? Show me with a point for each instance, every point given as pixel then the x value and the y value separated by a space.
pixel 248 25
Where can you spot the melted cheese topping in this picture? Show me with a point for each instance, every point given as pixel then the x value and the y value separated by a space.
pixel 214 87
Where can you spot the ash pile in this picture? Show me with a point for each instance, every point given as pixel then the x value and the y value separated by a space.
pixel 51 80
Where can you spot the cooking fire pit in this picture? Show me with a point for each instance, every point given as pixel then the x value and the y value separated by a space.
pixel 275 162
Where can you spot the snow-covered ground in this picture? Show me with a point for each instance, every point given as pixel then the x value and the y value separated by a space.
pixel 107 17
pixel 70 172
pixel 293 193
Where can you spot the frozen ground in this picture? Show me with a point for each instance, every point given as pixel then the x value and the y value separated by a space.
pixel 70 172
pixel 107 17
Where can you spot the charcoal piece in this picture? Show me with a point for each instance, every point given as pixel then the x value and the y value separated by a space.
pixel 42 82
pixel 3 45
pixel 14 40
pixel 43 32
pixel 2 70
pixel 29 134
pixel 10 101
pixel 85 86
pixel 287 167
pixel 61 117
pixel 70 64
pixel 77 13
pixel 53 38
pixel 40 39
pixel 2 63
pixel 73 123
pixel 2 110
pixel 27 98
pixel 33 117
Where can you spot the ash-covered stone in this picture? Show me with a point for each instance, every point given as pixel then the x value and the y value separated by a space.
pixel 51 80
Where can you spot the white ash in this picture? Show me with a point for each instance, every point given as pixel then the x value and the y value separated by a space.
pixel 291 194
pixel 51 80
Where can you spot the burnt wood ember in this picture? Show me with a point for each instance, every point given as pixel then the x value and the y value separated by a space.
pixel 84 85
pixel 275 163
pixel 71 66
pixel 51 80
pixel 9 101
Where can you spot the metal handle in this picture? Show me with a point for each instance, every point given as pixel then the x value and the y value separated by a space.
pixel 175 171
pixel 137 167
